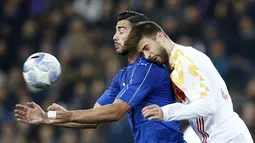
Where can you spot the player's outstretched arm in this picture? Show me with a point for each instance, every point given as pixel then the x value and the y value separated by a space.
pixel 177 111
pixel 103 114
pixel 31 113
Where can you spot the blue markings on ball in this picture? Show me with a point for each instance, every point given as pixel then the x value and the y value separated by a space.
pixel 43 66
pixel 53 76
pixel 41 56
pixel 41 71
pixel 26 68
pixel 32 76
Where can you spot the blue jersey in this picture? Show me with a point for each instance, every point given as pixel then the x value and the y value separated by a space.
pixel 140 84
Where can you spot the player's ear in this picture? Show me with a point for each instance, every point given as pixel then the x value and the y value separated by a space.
pixel 160 36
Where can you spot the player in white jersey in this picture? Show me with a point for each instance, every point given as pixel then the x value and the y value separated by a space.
pixel 203 94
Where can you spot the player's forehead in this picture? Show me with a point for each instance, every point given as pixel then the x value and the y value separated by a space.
pixel 145 40
pixel 143 43
pixel 123 24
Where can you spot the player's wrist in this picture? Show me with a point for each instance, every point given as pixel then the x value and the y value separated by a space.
pixel 45 118
pixel 164 110
pixel 71 119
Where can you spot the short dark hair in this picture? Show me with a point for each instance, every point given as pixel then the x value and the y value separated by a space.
pixel 140 30
pixel 132 16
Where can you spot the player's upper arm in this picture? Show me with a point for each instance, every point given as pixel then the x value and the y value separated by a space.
pixel 110 94
pixel 121 108
pixel 188 77
pixel 142 81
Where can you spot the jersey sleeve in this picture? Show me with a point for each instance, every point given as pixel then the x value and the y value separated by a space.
pixel 142 81
pixel 189 80
pixel 110 94
pixel 191 83
pixel 199 108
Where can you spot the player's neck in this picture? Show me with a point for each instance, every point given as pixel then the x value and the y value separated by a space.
pixel 169 46
pixel 132 58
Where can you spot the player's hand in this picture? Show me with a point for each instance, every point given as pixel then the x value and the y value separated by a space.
pixel 56 107
pixel 62 114
pixel 62 117
pixel 31 113
pixel 153 112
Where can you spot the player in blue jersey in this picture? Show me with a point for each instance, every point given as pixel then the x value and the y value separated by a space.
pixel 139 84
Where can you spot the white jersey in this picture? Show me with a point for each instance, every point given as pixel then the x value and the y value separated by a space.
pixel 204 97
pixel 190 136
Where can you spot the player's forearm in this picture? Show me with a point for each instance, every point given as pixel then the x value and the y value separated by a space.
pixel 199 108
pixel 70 124
pixel 98 115
pixel 76 125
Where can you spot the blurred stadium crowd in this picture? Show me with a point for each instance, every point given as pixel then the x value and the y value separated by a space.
pixel 79 33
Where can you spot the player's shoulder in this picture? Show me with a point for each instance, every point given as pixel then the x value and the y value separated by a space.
pixel 189 51
pixel 143 61
pixel 121 72
pixel 187 54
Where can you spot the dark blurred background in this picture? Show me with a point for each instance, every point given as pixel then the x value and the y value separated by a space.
pixel 79 33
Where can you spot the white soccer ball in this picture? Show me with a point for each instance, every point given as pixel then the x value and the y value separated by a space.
pixel 41 71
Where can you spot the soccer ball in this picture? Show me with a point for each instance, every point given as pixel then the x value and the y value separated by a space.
pixel 41 71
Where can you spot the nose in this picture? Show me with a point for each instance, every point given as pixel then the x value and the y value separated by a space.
pixel 148 57
pixel 114 37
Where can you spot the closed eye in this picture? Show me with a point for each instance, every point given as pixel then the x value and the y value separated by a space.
pixel 121 29
pixel 121 32
pixel 146 48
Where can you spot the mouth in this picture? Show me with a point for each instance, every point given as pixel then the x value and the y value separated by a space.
pixel 153 59
pixel 117 46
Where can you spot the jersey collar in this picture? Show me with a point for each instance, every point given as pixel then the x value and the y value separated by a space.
pixel 174 55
